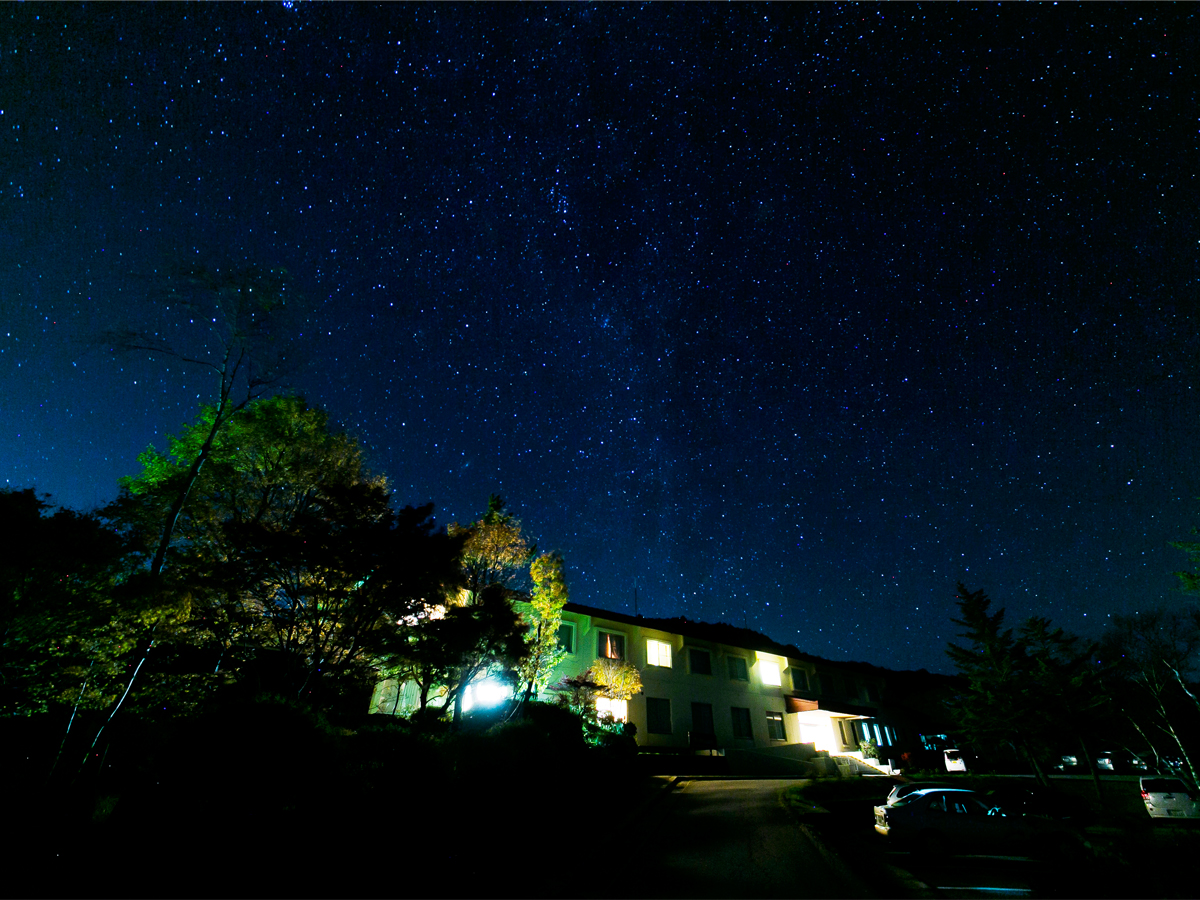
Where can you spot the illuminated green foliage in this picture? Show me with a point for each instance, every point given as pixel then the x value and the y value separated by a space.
pixel 62 631
pixel 547 599
pixel 495 552
pixel 618 679
pixel 288 548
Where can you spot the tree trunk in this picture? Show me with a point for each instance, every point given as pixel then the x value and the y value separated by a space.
pixel 1146 738
pixel 71 721
pixel 1183 687
pixel 457 709
pixel 132 678
pixel 1187 760
pixel 1033 763
pixel 1091 764
pixel 164 543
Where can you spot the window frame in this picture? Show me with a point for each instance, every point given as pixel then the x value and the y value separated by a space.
pixel 747 720
pixel 691 660
pixel 731 661
pixel 711 723
pixel 802 672
pixel 570 626
pixel 600 635
pixel 653 718
pixel 773 718
pixel 662 646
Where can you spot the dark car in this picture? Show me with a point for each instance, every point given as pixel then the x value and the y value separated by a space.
pixel 1034 800
pixel 903 790
pixel 954 820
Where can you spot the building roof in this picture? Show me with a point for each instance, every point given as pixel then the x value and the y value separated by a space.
pixel 721 632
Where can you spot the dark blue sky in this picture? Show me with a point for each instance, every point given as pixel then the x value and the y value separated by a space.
pixel 787 315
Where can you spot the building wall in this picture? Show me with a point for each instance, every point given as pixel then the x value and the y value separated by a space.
pixel 829 706
pixel 683 684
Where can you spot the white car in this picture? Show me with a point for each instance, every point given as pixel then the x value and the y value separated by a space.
pixel 1169 798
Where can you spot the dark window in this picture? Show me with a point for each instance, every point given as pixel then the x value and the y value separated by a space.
pixel 737 669
pixel 566 638
pixel 775 727
pixel 799 679
pixel 658 715
pixel 612 646
pixel 741 722
pixel 701 661
pixel 702 719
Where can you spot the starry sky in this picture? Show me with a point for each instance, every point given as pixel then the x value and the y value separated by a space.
pixel 790 316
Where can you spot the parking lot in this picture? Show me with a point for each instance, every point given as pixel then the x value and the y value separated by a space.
pixel 1122 853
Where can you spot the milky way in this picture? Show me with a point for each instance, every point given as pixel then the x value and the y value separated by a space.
pixel 786 315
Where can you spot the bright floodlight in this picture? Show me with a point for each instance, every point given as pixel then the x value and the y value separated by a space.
pixel 484 694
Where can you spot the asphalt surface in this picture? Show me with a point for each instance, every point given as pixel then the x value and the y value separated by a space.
pixel 730 838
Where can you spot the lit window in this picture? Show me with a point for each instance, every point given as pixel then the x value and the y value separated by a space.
pixel 618 709
pixel 737 669
pixel 611 646
pixel 658 653
pixel 566 637
pixel 701 661
pixel 775 727
pixel 769 672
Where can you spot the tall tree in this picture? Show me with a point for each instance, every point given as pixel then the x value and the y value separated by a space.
pixel 58 569
pixel 994 709
pixel 495 553
pixel 287 543
pixel 1153 655
pixel 1063 673
pixel 546 600
pixel 447 650
pixel 343 568
pixel 239 310
pixel 1021 691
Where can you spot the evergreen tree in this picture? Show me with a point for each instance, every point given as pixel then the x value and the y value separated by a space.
pixel 1021 691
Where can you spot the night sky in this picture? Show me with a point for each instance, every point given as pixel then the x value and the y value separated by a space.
pixel 790 316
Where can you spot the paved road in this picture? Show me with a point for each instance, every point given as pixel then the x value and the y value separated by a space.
pixel 729 838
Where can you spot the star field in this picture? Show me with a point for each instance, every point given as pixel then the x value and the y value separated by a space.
pixel 790 316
